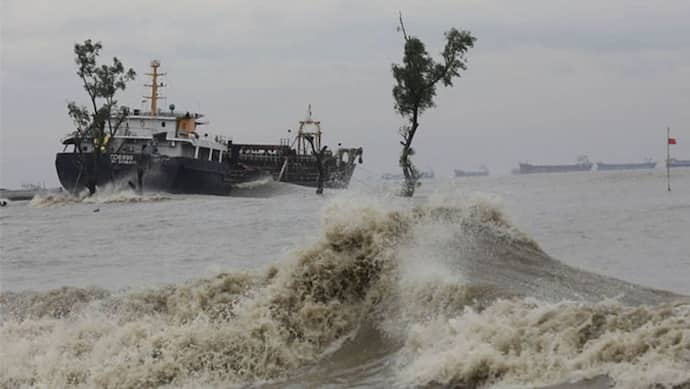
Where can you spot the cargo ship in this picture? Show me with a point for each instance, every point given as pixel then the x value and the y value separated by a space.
pixel 601 166
pixel 171 152
pixel 483 171
pixel 423 175
pixel 678 162
pixel 583 164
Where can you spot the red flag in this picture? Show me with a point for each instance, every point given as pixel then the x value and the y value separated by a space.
pixel 672 141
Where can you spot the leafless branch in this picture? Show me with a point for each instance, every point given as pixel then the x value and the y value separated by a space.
pixel 402 25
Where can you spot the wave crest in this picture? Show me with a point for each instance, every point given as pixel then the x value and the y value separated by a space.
pixel 453 285
pixel 528 342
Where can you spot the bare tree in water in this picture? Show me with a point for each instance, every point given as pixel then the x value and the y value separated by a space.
pixel 415 88
pixel 100 121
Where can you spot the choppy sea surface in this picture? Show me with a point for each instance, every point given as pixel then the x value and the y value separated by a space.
pixel 557 280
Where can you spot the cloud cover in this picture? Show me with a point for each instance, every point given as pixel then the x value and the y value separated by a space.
pixel 547 80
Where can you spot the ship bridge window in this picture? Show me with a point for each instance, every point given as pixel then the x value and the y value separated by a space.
pixel 204 153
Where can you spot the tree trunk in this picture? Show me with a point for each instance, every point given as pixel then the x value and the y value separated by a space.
pixel 140 180
pixel 410 182
pixel 319 181
pixel 318 155
pixel 92 173
pixel 321 170
pixel 409 171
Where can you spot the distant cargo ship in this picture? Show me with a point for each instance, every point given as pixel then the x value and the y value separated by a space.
pixel 422 175
pixel 678 162
pixel 583 164
pixel 483 171
pixel 27 192
pixel 626 166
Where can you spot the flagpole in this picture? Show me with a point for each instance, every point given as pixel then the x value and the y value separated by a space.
pixel 668 158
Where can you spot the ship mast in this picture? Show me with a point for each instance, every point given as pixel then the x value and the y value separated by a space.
pixel 301 134
pixel 155 64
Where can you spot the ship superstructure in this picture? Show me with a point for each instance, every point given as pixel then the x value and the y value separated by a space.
pixel 296 162
pixel 154 150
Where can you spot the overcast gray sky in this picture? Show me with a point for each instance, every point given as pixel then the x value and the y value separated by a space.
pixel 547 80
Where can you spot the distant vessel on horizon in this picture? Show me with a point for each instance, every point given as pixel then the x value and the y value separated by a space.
pixel 27 192
pixel 582 164
pixel 429 174
pixel 678 162
pixel 483 171
pixel 648 164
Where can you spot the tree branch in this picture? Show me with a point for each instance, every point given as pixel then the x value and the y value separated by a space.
pixel 402 25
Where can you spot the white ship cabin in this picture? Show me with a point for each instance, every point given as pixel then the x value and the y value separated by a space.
pixel 172 134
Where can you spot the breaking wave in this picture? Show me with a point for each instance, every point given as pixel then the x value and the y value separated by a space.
pixel 255 183
pixel 265 187
pixel 105 195
pixel 445 293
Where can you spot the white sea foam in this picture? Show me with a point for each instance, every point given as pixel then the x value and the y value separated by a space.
pixel 465 297
pixel 531 343
pixel 255 183
pixel 104 195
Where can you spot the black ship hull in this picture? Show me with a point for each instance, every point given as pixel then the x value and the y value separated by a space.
pixel 284 165
pixel 147 172
pixel 78 172
pixel 304 172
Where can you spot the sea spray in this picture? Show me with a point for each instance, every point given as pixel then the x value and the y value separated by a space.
pixel 107 194
pixel 256 183
pixel 262 329
pixel 57 303
pixel 526 342
pixel 463 297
